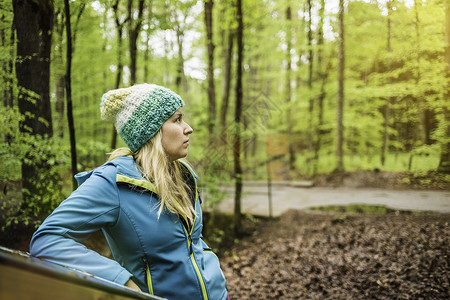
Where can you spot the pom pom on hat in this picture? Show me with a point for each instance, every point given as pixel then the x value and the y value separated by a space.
pixel 112 102
pixel 139 111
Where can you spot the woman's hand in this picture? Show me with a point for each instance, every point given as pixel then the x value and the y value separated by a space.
pixel 132 285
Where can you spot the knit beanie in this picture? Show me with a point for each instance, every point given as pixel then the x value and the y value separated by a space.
pixel 139 111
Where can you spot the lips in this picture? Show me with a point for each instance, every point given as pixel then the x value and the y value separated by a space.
pixel 186 143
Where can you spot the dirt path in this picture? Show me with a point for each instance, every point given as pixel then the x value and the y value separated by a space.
pixel 256 201
pixel 323 256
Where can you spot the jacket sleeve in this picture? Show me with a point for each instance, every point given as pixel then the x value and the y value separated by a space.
pixel 94 205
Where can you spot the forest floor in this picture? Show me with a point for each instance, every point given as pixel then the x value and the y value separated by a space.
pixel 336 255
pixel 304 255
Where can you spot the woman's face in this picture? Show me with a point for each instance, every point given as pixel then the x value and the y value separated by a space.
pixel 175 136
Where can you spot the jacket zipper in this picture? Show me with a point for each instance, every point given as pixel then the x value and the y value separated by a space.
pixel 191 254
pixel 148 277
pixel 188 231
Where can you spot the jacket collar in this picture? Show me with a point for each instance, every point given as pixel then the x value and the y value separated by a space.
pixel 129 173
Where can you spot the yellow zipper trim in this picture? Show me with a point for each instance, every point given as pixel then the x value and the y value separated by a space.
pixel 137 182
pixel 197 270
pixel 149 281
pixel 205 295
pixel 210 251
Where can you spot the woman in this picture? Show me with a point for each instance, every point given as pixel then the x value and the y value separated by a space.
pixel 146 202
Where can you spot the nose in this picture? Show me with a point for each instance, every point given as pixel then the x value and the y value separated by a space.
pixel 188 129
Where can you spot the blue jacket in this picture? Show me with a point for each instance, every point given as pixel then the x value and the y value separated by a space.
pixel 165 255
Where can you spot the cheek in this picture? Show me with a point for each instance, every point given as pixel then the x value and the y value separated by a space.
pixel 170 136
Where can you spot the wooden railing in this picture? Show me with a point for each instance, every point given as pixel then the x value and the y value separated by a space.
pixel 23 277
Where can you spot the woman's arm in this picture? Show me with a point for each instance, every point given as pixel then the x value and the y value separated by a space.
pixel 132 285
pixel 94 205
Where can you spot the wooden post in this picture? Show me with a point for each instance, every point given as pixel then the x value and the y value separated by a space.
pixel 269 189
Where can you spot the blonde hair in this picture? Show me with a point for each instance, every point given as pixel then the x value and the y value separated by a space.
pixel 166 175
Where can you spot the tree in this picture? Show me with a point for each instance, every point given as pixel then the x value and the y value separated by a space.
pixel 289 123
pixel 237 120
pixel 227 35
pixel 210 47
pixel 119 34
pixel 227 77
pixel 179 22
pixel 340 97
pixel 310 80
pixel 33 21
pixel 68 85
pixel 322 73
pixel 387 106
pixel 148 32
pixel 58 71
pixel 419 97
pixel 134 28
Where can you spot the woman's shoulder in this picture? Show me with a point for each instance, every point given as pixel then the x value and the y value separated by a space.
pixel 122 165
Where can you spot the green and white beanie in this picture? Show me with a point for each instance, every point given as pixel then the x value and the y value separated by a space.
pixel 139 111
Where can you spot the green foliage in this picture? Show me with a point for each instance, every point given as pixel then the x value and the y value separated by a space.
pixel 373 76
pixel 214 169
pixel 90 154
pixel 31 206
pixel 395 162
pixel 219 232
pixel 36 151
pixel 10 149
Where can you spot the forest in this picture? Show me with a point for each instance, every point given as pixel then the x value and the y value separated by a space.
pixel 281 89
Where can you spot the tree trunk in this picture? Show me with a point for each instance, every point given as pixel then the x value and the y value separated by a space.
pixel 33 21
pixel 180 80
pixel 387 116
pixel 58 63
pixel 310 50
pixel 59 105
pixel 421 105
pixel 237 119
pixel 310 82
pixel 210 47
pixel 224 43
pixel 119 57
pixel 119 29
pixel 147 44
pixel 147 57
pixel 340 96
pixel 387 106
pixel 134 28
pixel 444 161
pixel 227 79
pixel 68 85
pixel 289 123
pixel 322 75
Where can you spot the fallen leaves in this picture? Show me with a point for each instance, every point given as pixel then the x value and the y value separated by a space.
pixel 311 256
